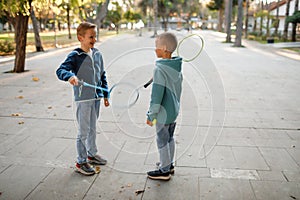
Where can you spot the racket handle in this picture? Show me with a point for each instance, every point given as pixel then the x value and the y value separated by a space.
pixel 80 82
pixel 148 83
pixel 154 122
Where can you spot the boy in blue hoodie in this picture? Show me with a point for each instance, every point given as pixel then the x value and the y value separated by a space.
pixel 165 103
pixel 86 64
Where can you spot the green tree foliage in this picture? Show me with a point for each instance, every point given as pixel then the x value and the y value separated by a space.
pixel 17 13
pixel 115 15
pixel 295 18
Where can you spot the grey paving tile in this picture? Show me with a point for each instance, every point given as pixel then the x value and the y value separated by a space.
pixel 220 157
pixel 52 149
pixel 10 125
pixel 276 143
pixel 294 134
pixel 11 141
pixel 237 141
pixel 3 166
pixel 69 155
pixel 292 176
pixel 295 153
pixel 27 146
pixel 192 171
pixel 18 181
pixel 275 190
pixel 63 184
pixel 116 185
pixel 249 158
pixel 190 156
pixel 234 174
pixel 216 188
pixel 271 175
pixel 278 159
pixel 177 187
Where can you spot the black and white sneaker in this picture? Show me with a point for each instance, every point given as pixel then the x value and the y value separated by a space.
pixel 159 175
pixel 172 168
pixel 85 169
pixel 97 160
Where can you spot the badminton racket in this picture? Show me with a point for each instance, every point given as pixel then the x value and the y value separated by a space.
pixel 122 94
pixel 188 48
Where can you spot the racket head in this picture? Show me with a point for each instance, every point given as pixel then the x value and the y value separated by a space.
pixel 190 47
pixel 124 95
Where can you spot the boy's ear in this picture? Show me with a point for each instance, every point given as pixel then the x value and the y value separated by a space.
pixel 79 37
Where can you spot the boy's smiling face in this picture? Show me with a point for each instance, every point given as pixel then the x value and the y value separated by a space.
pixel 88 39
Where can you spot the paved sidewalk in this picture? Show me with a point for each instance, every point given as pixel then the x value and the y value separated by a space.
pixel 237 136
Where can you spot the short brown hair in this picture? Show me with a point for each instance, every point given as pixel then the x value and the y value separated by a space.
pixel 84 26
pixel 169 40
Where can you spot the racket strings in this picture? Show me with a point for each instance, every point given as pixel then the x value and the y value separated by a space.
pixel 190 47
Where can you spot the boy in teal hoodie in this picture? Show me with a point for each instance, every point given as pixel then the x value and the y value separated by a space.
pixel 165 103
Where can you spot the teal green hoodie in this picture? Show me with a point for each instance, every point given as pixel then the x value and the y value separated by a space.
pixel 166 91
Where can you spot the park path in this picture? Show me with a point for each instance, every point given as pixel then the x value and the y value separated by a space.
pixel 237 136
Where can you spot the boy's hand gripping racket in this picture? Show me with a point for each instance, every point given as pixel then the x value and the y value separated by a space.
pixel 123 94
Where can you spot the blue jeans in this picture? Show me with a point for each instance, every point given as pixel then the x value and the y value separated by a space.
pixel 165 145
pixel 87 114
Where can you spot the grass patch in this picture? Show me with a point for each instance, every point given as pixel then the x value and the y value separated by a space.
pixel 295 49
pixel 48 39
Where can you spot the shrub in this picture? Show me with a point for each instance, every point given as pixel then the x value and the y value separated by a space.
pixel 6 47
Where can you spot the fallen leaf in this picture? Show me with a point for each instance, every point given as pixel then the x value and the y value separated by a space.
pixel 139 192
pixel 49 107
pixel 16 114
pixel 97 169
pixel 35 79
pixel 20 97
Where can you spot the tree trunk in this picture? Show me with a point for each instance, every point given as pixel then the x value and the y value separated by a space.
pixel 277 18
pixel 220 24
pixel 21 25
pixel 247 18
pixel 155 10
pixel 239 25
pixel 255 25
pixel 268 22
pixel 228 20
pixel 68 19
pixel 38 43
pixel 261 20
pixel 101 14
pixel 286 24
pixel 294 30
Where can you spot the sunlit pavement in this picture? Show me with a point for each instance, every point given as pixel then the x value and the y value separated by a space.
pixel 237 135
